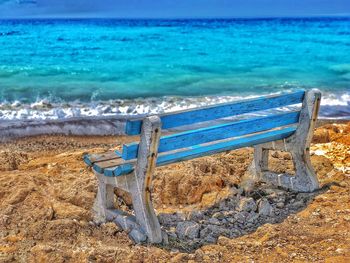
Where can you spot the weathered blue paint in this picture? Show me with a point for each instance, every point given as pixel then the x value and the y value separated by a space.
pixel 119 170
pixel 98 169
pixel 200 151
pixel 181 118
pixel 87 160
pixel 204 150
pixel 218 132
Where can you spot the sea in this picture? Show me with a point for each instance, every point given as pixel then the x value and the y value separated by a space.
pixel 62 69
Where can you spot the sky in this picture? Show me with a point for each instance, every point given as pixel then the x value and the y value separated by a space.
pixel 171 8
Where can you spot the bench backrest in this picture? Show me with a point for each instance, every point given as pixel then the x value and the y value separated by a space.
pixel 197 137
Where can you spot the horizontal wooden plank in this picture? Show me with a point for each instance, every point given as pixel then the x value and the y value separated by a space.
pixel 100 166
pixel 191 116
pixel 120 170
pixel 90 159
pixel 215 133
pixel 200 151
pixel 204 150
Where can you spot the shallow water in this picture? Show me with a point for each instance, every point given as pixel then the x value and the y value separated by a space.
pixel 70 68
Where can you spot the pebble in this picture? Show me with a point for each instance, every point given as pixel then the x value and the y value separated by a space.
pixel 233 217
pixel 137 236
pixel 170 219
pixel 264 208
pixel 214 221
pixel 196 215
pixel 187 229
pixel 247 204
pixel 280 205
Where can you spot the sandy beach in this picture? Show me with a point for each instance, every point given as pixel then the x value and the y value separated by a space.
pixel 46 195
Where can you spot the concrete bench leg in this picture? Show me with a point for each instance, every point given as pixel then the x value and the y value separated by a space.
pixel 138 184
pixel 104 199
pixel 141 192
pixel 305 179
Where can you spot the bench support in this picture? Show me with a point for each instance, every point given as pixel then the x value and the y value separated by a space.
pixel 138 184
pixel 145 166
pixel 305 179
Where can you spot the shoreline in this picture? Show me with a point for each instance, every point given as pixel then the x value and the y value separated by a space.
pixel 89 126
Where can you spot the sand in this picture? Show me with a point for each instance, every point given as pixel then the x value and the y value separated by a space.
pixel 46 195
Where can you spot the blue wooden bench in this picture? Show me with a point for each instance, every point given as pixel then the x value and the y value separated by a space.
pixel 132 169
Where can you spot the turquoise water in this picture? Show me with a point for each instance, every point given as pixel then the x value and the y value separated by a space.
pixel 72 68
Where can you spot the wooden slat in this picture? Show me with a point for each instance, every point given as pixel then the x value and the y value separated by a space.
pixel 93 158
pixel 215 133
pixel 200 151
pixel 100 166
pixel 204 150
pixel 120 170
pixel 187 117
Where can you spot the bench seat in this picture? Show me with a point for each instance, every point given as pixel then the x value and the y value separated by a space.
pixel 112 163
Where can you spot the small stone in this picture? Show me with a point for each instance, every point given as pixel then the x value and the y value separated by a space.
pixel 280 205
pixel 211 232
pixel 214 221
pixel 231 220
pixel 165 238
pixel 234 233
pixel 298 204
pixel 252 217
pixel 170 219
pixel 247 204
pixel 137 236
pixel 187 229
pixel 127 223
pixel 265 209
pixel 240 218
pixel 196 215
pixel 219 215
pixel 171 235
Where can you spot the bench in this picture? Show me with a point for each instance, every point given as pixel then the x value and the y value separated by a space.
pixel 132 169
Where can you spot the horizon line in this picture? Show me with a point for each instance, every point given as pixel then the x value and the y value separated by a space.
pixel 177 18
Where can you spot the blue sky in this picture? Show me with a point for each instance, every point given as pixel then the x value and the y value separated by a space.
pixel 171 8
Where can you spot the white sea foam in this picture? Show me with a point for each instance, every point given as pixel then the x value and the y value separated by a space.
pixel 44 110
pixel 18 119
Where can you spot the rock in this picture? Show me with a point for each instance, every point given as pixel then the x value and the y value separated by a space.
pixel 297 204
pixel 196 215
pixel 231 220
pixel 247 204
pixel 265 209
pixel 252 217
pixel 240 218
pixel 171 235
pixel 214 221
pixel 165 238
pixel 211 232
pixel 280 205
pixel 169 220
pixel 127 223
pixel 219 215
pixel 188 229
pixel 234 233
pixel 137 236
